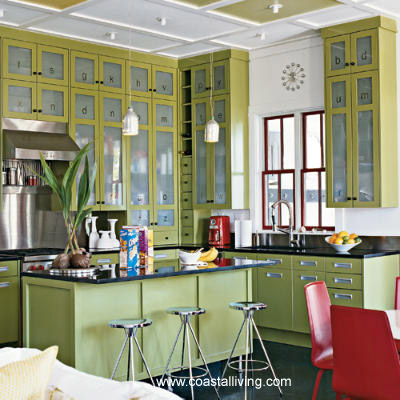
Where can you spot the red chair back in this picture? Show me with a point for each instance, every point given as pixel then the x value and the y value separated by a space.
pixel 319 316
pixel 397 294
pixel 366 363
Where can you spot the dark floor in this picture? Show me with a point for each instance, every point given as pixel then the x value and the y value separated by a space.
pixel 288 361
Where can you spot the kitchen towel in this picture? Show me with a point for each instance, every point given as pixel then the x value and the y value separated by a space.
pixel 245 233
pixel 237 233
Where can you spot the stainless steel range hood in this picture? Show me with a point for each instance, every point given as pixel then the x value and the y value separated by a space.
pixel 26 139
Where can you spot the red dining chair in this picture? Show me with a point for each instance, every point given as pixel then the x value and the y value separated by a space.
pixel 319 316
pixel 397 294
pixel 366 361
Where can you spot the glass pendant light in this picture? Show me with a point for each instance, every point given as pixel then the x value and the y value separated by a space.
pixel 130 122
pixel 211 133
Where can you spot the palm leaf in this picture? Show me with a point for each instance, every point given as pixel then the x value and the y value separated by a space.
pixel 83 188
pixel 51 179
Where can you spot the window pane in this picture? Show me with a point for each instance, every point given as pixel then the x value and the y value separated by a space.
pixel 313 141
pixel 288 143
pixel 271 195
pixel 274 144
pixel 311 199
pixel 286 194
pixel 328 214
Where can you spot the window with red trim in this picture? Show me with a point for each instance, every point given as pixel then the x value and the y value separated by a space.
pixel 314 213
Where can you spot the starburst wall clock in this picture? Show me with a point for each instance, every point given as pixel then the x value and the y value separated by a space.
pixel 293 76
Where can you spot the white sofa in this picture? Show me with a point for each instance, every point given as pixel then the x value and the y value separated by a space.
pixel 81 386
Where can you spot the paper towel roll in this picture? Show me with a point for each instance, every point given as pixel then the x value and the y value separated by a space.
pixel 237 233
pixel 245 232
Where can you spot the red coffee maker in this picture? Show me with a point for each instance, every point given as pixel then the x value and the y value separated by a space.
pixel 220 233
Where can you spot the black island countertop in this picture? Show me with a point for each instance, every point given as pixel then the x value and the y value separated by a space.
pixel 113 273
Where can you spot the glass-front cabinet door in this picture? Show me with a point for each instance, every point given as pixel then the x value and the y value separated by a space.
pixel 52 65
pixel 337 55
pixel 164 83
pixel 364 51
pixel 19 99
pixel 200 81
pixel 112 74
pixel 52 103
pixel 164 165
pixel 365 140
pixel 85 72
pixel 84 130
pixel 339 142
pixel 140 161
pixel 138 76
pixel 19 60
pixel 220 83
pixel 111 144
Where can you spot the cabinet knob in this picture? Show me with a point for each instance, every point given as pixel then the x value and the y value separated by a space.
pixel 101 82
pixel 97 202
pixel 155 223
pixel 39 73
pixel 103 202
pixel 34 73
pixel 348 198
pixel 166 237
pixel 39 111
pixel 97 81
pixel 346 64
pixel 354 198
pixel 352 63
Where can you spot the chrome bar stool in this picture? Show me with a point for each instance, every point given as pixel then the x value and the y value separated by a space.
pixel 131 327
pixel 185 314
pixel 248 308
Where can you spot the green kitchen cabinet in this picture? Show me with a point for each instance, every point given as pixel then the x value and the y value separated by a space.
pixel 153 81
pixel 10 310
pixel 28 100
pixel 361 114
pixel 35 63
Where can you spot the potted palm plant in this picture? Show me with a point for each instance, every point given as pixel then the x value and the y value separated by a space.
pixel 73 255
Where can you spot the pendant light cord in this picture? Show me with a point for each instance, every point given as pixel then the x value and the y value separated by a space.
pixel 130 52
pixel 211 84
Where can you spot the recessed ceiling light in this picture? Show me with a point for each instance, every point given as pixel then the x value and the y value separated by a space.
pixel 2 12
pixel 162 20
pixel 261 35
pixel 111 35
pixel 276 6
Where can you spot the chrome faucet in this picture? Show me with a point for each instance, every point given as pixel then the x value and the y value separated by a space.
pixel 290 231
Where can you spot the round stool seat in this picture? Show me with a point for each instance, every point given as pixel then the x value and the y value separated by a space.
pixel 186 310
pixel 247 305
pixel 130 323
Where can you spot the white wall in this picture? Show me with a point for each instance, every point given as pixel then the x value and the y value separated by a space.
pixel 268 97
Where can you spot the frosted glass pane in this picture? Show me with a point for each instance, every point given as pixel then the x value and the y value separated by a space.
pixel 19 60
pixel 219 77
pixel 112 109
pixel 85 134
pixel 140 217
pixel 165 167
pixel 20 99
pixel 84 70
pixel 338 94
pixel 311 199
pixel 364 50
pixel 139 79
pixel 220 168
pixel 271 195
pixel 164 83
pixel 112 75
pixel 219 111
pixel 365 156
pixel 164 115
pixel 201 114
pixel 200 81
pixel 328 214
pixel 141 108
pixel 52 65
pixel 364 91
pixel 338 55
pixel 112 168
pixel 201 168
pixel 274 144
pixel 52 102
pixel 84 106
pixel 165 217
pixel 139 168
pixel 286 194
pixel 339 152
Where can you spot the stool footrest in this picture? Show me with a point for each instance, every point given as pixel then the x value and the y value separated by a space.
pixel 232 365
pixel 172 373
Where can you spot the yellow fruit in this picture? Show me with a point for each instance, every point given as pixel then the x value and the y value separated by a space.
pixel 339 241
pixel 353 235
pixel 343 233
pixel 209 255
pixel 351 241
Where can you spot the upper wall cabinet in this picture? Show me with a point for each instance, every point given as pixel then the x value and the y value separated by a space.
pixel 361 114
pixel 146 80
pixel 201 79
pixel 35 63
pixel 90 71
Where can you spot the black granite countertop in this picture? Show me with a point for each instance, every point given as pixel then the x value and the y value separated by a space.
pixel 114 274
pixel 315 251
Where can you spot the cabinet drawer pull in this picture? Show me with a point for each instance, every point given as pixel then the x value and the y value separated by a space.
pixel 308 263
pixel 4 285
pixel 347 281
pixel 343 265
pixel 274 275
pixel 343 296
pixel 158 256
pixel 308 278
pixel 274 261
pixel 3 269
pixel 104 261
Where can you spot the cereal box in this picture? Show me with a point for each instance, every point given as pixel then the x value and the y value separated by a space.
pixel 129 253
pixel 143 245
pixel 150 258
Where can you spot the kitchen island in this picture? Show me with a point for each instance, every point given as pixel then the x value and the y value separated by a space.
pixel 74 312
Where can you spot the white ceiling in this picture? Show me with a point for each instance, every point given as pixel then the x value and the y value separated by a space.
pixel 188 31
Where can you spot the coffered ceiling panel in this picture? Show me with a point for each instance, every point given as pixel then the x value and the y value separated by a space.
pixel 154 17
pixel 190 49
pixel 98 33
pixel 259 11
pixel 387 6
pixel 56 4
pixel 19 15
pixel 263 36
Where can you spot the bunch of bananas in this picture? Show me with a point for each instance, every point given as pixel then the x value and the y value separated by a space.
pixel 210 255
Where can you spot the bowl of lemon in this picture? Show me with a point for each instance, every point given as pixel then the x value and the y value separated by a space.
pixel 343 242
